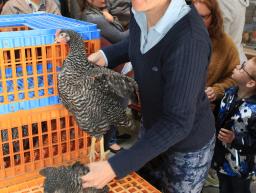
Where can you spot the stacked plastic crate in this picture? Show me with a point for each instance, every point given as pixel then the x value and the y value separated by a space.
pixel 36 131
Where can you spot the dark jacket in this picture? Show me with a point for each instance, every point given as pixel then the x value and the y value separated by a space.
pixel 236 159
pixel 171 78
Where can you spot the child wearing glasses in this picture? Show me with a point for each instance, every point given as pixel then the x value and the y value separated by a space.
pixel 234 156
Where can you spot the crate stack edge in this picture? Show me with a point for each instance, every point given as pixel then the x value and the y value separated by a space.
pixel 36 131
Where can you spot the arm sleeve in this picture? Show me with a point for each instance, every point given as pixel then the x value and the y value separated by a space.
pixel 117 53
pixel 184 74
pixel 246 141
pixel 108 31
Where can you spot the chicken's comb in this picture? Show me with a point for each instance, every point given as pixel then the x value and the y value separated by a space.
pixel 57 32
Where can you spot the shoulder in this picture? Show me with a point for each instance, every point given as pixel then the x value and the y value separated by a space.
pixel 227 40
pixel 191 33
pixel 190 29
pixel 197 28
pixel 252 101
pixel 231 90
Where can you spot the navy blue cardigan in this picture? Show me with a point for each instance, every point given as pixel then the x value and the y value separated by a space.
pixel 171 78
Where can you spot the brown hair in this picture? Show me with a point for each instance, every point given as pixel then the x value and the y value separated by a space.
pixel 216 27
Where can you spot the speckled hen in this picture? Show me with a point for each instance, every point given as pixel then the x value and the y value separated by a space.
pixel 67 179
pixel 91 93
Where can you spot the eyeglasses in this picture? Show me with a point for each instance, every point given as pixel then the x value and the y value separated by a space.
pixel 205 17
pixel 242 68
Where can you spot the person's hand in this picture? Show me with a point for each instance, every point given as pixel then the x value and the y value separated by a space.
pixel 99 176
pixel 108 16
pixel 97 58
pixel 226 136
pixel 210 93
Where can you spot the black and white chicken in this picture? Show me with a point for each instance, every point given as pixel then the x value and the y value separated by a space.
pixel 91 93
pixel 67 179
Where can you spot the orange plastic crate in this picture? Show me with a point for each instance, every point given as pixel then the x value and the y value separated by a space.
pixel 14 28
pixel 131 184
pixel 32 140
pixel 28 73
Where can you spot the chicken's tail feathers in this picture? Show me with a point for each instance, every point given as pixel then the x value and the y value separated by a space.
pixel 128 122
pixel 129 87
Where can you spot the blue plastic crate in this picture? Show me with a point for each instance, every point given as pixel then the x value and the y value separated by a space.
pixel 28 105
pixel 43 27
pixel 14 106
pixel 30 80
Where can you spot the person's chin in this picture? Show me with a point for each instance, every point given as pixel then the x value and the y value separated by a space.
pixel 234 78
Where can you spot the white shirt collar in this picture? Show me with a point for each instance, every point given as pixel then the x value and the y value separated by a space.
pixel 150 37
pixel 170 17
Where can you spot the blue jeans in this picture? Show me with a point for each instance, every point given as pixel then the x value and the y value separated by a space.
pixel 176 172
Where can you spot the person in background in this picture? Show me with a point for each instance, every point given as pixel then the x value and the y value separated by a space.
pixel 75 8
pixel 121 10
pixel 96 11
pixel 224 59
pixel 233 12
pixel 224 56
pixel 169 49
pixel 234 157
pixel 30 6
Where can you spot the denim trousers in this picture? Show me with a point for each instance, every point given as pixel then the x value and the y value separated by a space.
pixel 178 172
pixel 186 172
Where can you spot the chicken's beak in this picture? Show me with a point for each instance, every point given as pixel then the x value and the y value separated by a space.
pixel 56 41
pixel 56 36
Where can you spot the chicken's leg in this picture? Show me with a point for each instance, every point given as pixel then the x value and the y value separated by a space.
pixel 92 152
pixel 103 154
